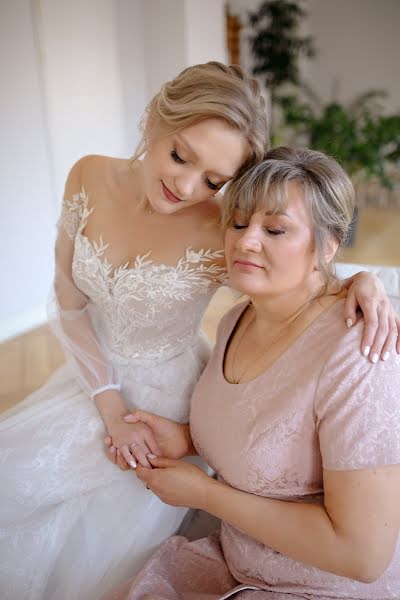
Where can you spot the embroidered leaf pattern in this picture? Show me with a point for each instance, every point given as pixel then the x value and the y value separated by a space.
pixel 145 308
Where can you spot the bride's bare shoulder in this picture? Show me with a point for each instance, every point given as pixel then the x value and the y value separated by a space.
pixel 97 167
pixel 99 176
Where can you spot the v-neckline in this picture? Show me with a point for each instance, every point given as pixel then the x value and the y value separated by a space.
pixel 283 356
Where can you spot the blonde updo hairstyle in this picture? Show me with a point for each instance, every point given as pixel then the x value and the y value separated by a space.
pixel 206 91
pixel 327 190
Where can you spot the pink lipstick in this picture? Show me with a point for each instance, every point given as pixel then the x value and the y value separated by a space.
pixel 247 263
pixel 169 195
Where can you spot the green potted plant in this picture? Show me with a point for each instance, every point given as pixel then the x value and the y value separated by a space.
pixel 364 139
pixel 360 135
pixel 277 45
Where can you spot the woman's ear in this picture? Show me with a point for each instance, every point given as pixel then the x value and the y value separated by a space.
pixel 331 248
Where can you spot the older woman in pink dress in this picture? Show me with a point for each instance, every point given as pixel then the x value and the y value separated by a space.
pixel 303 434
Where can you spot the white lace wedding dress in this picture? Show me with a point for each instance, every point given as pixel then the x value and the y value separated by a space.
pixel 72 525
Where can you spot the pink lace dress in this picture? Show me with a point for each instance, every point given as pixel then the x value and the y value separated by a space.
pixel 319 405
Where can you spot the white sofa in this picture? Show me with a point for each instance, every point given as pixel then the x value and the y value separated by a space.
pixel 390 277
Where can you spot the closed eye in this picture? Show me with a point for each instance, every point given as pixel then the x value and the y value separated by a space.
pixel 175 156
pixel 211 185
pixel 275 231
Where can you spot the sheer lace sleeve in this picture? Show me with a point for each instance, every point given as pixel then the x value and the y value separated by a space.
pixel 69 306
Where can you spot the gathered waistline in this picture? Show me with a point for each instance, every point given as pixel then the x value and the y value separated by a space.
pixel 154 357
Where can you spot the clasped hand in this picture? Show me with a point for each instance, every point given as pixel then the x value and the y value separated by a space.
pixel 174 481
pixel 141 434
pixel 130 444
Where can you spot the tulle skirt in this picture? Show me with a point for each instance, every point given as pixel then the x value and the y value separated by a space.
pixel 72 525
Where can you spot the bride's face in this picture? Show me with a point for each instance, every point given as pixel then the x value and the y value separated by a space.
pixel 191 166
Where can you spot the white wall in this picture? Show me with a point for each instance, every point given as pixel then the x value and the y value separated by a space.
pixel 132 68
pixel 83 82
pixel 359 47
pixel 26 211
pixel 205 31
pixel 75 77
pixel 164 42
pixel 180 33
pixel 73 83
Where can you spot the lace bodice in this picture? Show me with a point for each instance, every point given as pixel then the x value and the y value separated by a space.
pixel 147 310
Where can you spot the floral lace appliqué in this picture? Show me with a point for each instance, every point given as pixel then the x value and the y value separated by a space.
pixel 75 214
pixel 141 308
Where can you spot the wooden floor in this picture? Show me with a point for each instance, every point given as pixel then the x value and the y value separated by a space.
pixel 377 238
pixel 25 364
pixel 27 361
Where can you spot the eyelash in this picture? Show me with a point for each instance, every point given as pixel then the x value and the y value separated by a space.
pixel 212 186
pixel 274 232
pixel 175 156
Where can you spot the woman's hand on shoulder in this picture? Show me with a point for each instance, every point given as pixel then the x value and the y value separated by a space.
pixel 366 292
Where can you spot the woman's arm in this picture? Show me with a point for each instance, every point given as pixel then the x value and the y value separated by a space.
pixel 72 323
pixel 353 535
pixel 70 317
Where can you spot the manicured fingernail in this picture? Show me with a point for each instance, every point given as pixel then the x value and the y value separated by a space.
pixel 133 464
pixel 385 356
pixel 349 323
pixel 112 450
pixel 366 350
pixel 151 456
pixel 374 358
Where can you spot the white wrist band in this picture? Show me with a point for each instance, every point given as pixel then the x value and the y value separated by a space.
pixel 105 388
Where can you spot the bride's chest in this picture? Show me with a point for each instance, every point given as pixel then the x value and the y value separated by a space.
pixel 127 237
pixel 144 283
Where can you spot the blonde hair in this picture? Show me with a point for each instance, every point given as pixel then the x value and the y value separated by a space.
pixel 327 190
pixel 205 91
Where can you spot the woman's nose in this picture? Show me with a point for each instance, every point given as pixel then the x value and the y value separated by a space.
pixel 186 185
pixel 249 241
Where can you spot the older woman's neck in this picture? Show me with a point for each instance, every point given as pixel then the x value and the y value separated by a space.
pixel 278 309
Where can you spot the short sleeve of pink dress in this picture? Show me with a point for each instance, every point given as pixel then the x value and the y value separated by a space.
pixel 357 406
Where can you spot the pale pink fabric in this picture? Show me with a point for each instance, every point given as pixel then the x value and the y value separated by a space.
pixel 321 404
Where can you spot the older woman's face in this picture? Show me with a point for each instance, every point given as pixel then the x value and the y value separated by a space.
pixel 272 254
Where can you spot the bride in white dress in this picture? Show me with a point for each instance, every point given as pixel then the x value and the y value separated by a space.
pixel 138 257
